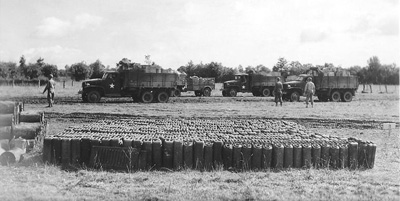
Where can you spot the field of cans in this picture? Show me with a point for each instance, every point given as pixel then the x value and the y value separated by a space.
pixel 204 144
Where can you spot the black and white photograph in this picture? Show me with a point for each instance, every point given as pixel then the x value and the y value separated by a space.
pixel 199 100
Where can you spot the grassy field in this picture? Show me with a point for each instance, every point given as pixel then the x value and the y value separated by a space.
pixel 33 180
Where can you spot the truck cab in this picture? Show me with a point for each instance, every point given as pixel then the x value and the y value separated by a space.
pixel 239 84
pixel 292 90
pixel 109 86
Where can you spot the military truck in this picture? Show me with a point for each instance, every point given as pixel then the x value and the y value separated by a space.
pixel 144 83
pixel 257 83
pixel 200 86
pixel 333 86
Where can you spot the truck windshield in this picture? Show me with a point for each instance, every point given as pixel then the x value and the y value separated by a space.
pixel 237 77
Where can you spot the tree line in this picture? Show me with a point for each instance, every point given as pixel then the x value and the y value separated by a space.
pixel 373 73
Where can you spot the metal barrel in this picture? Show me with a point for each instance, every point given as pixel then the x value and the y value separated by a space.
pixel 75 151
pixel 343 156
pixel 227 156
pixel 353 155
pixel 115 142
pixel 266 156
pixel 47 149
pixel 307 157
pixel 362 155
pixel 246 155
pixel 217 154
pixel 127 142
pixel 297 155
pixel 256 158
pixel 142 160
pixel 148 148
pixel 56 153
pixel 237 156
pixel 208 156
pixel 316 155
pixel 334 157
pixel 168 154
pixel 105 142
pixel 371 151
pixel 157 153
pixel 288 156
pixel 277 156
pixel 178 155
pixel 85 151
pixel 65 151
pixel 198 154
pixel 188 154
pixel 325 149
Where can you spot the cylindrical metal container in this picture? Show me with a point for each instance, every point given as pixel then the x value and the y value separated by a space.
pixel 208 156
pixel 325 150
pixel 307 156
pixel 256 158
pixel 66 151
pixel 288 156
pixel 237 156
pixel 371 151
pixel 246 155
pixel 334 157
pixel 188 154
pixel 266 156
pixel 167 157
pixel 148 148
pixel 353 155
pixel 157 153
pixel 47 150
pixel 227 156
pixel 277 156
pixel 217 155
pixel 316 155
pixel 362 155
pixel 178 155
pixel 75 151
pixel 297 155
pixel 343 156
pixel 198 155
pixel 56 153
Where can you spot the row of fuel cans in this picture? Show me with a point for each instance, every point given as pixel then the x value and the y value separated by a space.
pixel 132 151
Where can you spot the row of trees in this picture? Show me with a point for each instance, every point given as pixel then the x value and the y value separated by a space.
pixel 373 73
pixel 41 70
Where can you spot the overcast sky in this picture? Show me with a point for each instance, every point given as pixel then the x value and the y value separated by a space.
pixel 233 32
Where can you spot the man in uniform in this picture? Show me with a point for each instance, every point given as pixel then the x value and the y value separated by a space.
pixel 50 86
pixel 278 91
pixel 309 91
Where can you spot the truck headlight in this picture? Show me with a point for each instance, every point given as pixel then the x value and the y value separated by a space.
pixel 288 86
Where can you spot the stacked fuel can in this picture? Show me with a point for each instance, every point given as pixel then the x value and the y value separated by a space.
pixel 204 144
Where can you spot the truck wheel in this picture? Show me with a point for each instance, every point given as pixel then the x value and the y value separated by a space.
pixel 224 94
pixel 347 96
pixel 84 97
pixel 232 92
pixel 265 92
pixel 147 97
pixel 162 97
pixel 93 96
pixel 335 96
pixel 207 92
pixel 294 96
pixel 177 93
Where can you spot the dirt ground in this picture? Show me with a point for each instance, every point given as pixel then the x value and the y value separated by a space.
pixel 361 118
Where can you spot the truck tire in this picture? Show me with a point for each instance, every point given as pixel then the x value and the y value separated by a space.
pixel 347 96
pixel 335 96
pixel 207 92
pixel 177 93
pixel 162 97
pixel 265 92
pixel 224 93
pixel 294 96
pixel 93 96
pixel 232 92
pixel 147 97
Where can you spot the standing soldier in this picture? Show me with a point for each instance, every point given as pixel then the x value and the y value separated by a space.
pixel 278 91
pixel 309 90
pixel 50 86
